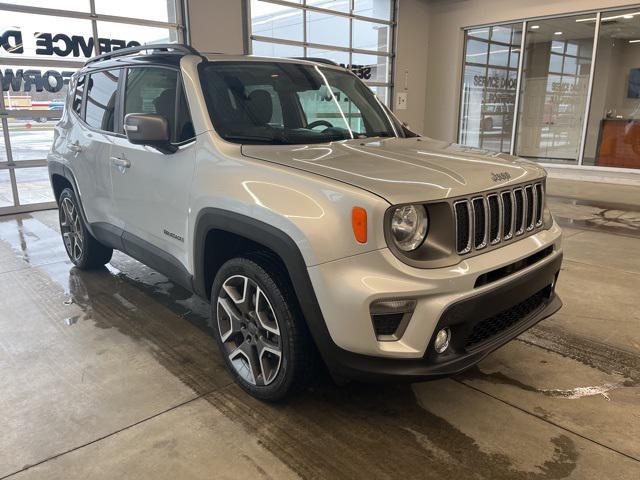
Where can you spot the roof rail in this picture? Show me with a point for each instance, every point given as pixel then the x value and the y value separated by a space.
pixel 318 60
pixel 166 47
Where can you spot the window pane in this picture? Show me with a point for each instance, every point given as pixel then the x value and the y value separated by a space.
pixel 489 88
pixel 25 37
pixel 482 33
pixel 373 8
pixel 327 29
pixel 152 90
pixel 75 5
pixel 555 63
pixel 341 58
pixel 476 51
pixel 499 55
pixel 35 98
pixel 118 35
pixel 338 5
pixel 266 49
pixel 31 137
pixel 32 87
pixel 276 21
pixel 3 148
pixel 613 133
pixel 33 185
pixel 371 68
pixel 503 34
pixel 101 100
pixel 371 36
pixel 554 90
pixel 6 194
pixel 382 93
pixel 159 10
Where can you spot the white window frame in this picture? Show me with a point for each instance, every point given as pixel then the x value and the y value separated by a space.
pixel 304 44
pixel 94 18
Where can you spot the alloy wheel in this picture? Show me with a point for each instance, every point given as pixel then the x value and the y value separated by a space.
pixel 249 330
pixel 71 228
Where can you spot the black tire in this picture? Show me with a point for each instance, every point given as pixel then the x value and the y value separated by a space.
pixel 298 359
pixel 83 249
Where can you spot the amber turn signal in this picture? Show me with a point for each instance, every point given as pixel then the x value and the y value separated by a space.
pixel 359 224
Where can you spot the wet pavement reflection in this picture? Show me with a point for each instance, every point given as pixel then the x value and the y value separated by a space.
pixel 120 348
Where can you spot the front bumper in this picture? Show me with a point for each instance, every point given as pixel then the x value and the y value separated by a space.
pixel 445 297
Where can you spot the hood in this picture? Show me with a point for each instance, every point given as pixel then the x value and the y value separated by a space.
pixel 403 170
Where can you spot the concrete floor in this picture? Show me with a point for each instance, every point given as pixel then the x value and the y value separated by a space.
pixel 113 374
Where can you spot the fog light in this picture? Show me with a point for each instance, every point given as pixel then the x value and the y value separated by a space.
pixel 443 337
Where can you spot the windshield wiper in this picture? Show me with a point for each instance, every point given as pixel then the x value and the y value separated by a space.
pixel 380 134
pixel 256 138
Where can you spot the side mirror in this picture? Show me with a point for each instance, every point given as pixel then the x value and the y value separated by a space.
pixel 149 129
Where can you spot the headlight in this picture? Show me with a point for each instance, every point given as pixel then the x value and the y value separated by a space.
pixel 409 225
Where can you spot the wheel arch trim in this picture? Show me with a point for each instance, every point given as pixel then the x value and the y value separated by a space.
pixel 58 168
pixel 282 245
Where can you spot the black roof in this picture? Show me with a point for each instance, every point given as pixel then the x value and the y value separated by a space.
pixel 156 54
pixel 162 54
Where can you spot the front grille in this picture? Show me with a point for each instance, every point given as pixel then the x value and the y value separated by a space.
pixel 491 326
pixel 463 227
pixel 497 217
pixel 479 223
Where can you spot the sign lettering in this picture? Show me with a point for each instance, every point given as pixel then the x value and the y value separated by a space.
pixel 60 44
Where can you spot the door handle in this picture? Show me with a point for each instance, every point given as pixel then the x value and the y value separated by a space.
pixel 74 147
pixel 120 162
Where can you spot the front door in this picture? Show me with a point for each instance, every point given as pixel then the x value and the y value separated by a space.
pixel 151 189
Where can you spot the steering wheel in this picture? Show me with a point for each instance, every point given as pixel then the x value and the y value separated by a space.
pixel 319 123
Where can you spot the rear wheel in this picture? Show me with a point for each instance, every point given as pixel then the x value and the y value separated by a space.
pixel 82 248
pixel 261 335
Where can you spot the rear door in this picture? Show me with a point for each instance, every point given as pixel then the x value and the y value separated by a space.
pixel 151 189
pixel 89 142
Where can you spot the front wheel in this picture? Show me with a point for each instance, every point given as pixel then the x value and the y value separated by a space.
pixel 260 333
pixel 82 248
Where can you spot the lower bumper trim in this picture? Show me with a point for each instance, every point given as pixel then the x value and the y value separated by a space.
pixel 463 317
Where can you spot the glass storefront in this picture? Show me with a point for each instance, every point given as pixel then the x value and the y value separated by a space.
pixel 489 87
pixel 613 132
pixel 40 49
pixel 357 34
pixel 553 94
pixel 570 107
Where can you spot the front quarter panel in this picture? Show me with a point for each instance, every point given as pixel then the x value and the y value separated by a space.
pixel 313 211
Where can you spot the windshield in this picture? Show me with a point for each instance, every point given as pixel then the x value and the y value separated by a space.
pixel 288 103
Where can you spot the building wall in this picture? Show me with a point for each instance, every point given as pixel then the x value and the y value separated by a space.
pixel 216 25
pixel 447 18
pixel 410 74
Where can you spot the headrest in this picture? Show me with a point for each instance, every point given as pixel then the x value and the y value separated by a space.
pixel 261 106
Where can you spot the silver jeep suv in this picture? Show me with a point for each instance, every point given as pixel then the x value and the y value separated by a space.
pixel 318 226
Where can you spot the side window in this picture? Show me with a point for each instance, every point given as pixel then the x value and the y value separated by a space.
pixel 76 103
pixel 153 90
pixel 102 91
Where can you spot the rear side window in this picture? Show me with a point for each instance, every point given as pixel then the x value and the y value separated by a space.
pixel 77 96
pixel 155 90
pixel 102 91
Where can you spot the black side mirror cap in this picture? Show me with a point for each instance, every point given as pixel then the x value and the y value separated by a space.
pixel 149 129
